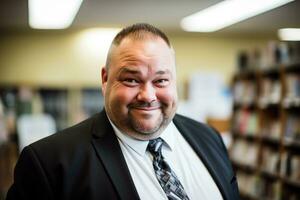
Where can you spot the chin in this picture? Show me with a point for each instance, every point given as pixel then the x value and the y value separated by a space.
pixel 145 128
pixel 150 127
pixel 146 125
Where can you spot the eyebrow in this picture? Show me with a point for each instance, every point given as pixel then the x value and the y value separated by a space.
pixel 129 70
pixel 135 71
pixel 162 72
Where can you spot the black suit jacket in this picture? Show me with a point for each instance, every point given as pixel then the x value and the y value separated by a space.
pixel 86 162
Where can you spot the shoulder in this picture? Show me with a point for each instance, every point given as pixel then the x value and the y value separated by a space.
pixel 78 130
pixel 188 121
pixel 57 159
pixel 201 132
pixel 184 122
pixel 61 151
pixel 68 140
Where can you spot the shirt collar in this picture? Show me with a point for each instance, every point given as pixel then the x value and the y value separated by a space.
pixel 140 146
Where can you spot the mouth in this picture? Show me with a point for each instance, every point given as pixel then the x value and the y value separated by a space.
pixel 147 108
pixel 142 106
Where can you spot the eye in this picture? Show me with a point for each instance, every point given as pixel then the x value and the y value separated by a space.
pixel 162 82
pixel 130 82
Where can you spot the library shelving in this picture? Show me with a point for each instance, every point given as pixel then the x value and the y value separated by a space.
pixel 265 151
pixel 65 106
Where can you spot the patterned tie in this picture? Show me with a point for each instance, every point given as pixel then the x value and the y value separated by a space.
pixel 166 177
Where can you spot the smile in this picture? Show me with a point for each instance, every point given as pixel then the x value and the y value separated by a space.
pixel 146 108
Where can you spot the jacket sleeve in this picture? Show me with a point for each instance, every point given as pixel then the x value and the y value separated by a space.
pixel 233 181
pixel 30 179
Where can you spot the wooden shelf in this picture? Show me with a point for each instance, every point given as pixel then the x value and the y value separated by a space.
pixel 244 167
pixel 246 196
pixel 291 144
pixel 275 110
pixel 269 105
pixel 291 103
pixel 247 136
pixel 251 105
pixel 270 141
pixel 292 67
pixel 292 183
pixel 246 74
pixel 269 175
pixel 271 71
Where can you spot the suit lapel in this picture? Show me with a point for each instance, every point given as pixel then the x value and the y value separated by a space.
pixel 206 153
pixel 110 154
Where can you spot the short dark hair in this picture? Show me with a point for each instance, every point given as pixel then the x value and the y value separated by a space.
pixel 137 31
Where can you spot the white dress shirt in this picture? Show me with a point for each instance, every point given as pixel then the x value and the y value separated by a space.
pixel 193 175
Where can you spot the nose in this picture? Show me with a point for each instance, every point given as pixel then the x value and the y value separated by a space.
pixel 147 93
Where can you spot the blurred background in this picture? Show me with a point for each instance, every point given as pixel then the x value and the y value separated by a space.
pixel 240 75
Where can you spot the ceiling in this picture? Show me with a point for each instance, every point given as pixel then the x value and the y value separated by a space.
pixel 165 14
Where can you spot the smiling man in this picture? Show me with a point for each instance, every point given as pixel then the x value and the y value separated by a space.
pixel 137 147
pixel 139 85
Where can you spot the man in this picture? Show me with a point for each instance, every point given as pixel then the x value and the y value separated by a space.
pixel 137 147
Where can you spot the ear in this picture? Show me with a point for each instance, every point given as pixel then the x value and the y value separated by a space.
pixel 104 78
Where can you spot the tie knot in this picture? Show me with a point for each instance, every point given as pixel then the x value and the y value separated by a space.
pixel 155 145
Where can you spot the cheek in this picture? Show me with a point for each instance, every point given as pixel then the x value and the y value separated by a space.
pixel 122 96
pixel 167 96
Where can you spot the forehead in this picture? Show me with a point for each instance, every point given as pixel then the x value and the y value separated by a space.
pixel 153 52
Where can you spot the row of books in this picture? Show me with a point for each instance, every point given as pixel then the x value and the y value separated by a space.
pixel 292 96
pixel 247 183
pixel 273 54
pixel 292 128
pixel 293 85
pixel 290 166
pixel 3 129
pixel 244 92
pixel 256 187
pixel 244 152
pixel 268 189
pixel 270 160
pixel 58 103
pixel 270 92
pixel 245 122
pixel 8 159
pixel 8 114
pixel 271 127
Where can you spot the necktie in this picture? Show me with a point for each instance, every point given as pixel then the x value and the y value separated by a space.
pixel 166 177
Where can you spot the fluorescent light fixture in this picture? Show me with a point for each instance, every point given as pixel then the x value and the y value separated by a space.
pixel 99 37
pixel 226 13
pixel 52 14
pixel 289 34
pixel 95 42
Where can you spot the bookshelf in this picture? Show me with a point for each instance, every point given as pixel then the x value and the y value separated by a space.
pixel 266 123
pixel 66 106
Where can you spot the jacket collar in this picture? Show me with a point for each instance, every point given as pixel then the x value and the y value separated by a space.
pixel 109 152
pixel 202 144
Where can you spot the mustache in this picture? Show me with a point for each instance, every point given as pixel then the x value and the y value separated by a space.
pixel 141 104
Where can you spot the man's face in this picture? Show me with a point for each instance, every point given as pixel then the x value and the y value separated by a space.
pixel 140 87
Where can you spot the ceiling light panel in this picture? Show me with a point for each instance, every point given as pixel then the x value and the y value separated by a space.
pixel 289 34
pixel 52 14
pixel 226 13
